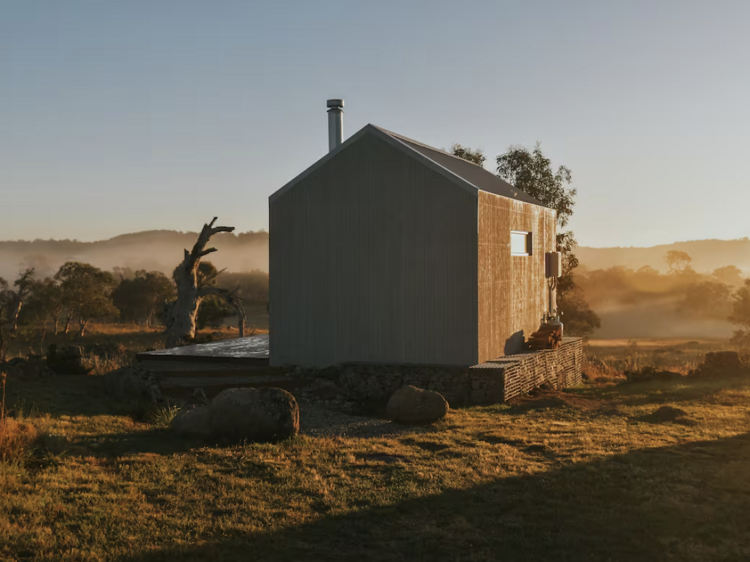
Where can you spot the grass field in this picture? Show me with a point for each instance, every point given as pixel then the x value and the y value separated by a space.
pixel 131 336
pixel 581 475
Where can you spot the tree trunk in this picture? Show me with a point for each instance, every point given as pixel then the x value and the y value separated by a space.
pixel 68 318
pixel 180 314
pixel 242 317
pixel 15 311
pixel 55 320
pixel 82 324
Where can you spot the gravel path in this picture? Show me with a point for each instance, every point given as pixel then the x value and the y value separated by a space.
pixel 320 421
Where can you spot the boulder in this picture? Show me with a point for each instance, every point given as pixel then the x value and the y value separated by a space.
pixel 410 404
pixel 192 421
pixel 254 414
pixel 668 414
pixel 133 383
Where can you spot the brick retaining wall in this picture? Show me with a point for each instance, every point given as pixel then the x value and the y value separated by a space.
pixel 487 383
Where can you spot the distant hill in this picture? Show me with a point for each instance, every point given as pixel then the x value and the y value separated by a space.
pixel 707 255
pixel 163 249
pixel 154 250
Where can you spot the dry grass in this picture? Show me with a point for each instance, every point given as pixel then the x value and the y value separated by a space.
pixel 579 475
pixel 134 338
pixel 15 440
pixel 607 360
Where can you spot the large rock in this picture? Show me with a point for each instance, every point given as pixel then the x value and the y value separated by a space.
pixel 133 383
pixel 415 405
pixel 255 414
pixel 192 421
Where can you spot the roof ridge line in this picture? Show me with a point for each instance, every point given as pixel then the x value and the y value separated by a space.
pixel 427 146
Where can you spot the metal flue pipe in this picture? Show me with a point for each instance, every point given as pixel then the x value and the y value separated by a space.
pixel 335 123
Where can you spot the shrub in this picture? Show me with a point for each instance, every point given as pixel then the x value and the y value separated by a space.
pixel 66 360
pixel 651 374
pixel 722 364
pixel 162 416
pixel 15 439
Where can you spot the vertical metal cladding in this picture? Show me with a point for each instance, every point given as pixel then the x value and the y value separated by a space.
pixel 512 290
pixel 373 260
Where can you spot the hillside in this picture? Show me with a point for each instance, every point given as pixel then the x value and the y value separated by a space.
pixel 707 255
pixel 154 250
pixel 162 250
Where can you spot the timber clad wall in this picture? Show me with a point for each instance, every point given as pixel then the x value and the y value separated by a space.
pixel 372 260
pixel 512 290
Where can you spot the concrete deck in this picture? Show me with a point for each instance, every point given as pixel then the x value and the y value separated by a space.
pixel 252 350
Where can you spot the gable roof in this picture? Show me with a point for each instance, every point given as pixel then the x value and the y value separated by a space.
pixel 465 174
pixel 472 173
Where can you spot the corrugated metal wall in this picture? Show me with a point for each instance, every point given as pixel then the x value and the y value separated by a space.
pixel 512 290
pixel 373 259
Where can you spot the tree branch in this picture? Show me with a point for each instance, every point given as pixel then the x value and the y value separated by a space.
pixel 192 258
pixel 231 298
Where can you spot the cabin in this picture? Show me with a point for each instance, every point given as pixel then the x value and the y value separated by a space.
pixel 387 251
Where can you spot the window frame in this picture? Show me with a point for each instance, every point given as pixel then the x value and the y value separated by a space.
pixel 528 242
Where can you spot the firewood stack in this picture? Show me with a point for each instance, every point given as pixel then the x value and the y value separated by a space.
pixel 548 336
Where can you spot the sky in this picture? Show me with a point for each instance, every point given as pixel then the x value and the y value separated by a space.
pixel 122 116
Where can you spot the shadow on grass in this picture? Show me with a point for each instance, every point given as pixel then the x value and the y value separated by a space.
pixel 157 441
pixel 70 395
pixel 687 502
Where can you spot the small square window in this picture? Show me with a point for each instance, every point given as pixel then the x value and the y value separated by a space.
pixel 520 243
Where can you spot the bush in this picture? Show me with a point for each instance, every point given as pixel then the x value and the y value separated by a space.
pixel 651 374
pixel 722 364
pixel 108 350
pixel 162 416
pixel 15 440
pixel 66 360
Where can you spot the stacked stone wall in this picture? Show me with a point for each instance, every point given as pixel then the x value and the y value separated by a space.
pixel 487 383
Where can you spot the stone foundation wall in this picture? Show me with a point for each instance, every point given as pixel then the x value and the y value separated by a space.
pixel 486 383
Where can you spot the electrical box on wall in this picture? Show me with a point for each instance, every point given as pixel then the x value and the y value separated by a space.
pixel 553 264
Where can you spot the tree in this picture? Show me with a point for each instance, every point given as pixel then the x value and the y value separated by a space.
pixel 474 156
pixel 531 172
pixel 212 312
pixel 741 316
pixel 86 293
pixel 193 285
pixel 23 286
pixel 729 275
pixel 213 309
pixel 251 286
pixel 137 298
pixel 706 299
pixel 678 262
pixel 44 302
pixel 6 302
pixel 47 295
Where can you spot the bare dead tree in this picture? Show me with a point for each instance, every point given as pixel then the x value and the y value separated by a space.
pixel 180 314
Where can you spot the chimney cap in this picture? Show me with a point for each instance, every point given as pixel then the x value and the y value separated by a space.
pixel 335 103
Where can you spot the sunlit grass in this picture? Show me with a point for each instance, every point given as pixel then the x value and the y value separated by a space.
pixel 580 474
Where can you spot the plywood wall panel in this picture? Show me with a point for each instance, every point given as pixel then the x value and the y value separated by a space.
pixel 512 291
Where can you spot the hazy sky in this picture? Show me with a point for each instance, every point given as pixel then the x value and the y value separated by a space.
pixel 119 116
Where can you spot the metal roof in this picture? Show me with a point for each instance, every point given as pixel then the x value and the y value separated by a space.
pixel 472 173
pixel 465 174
